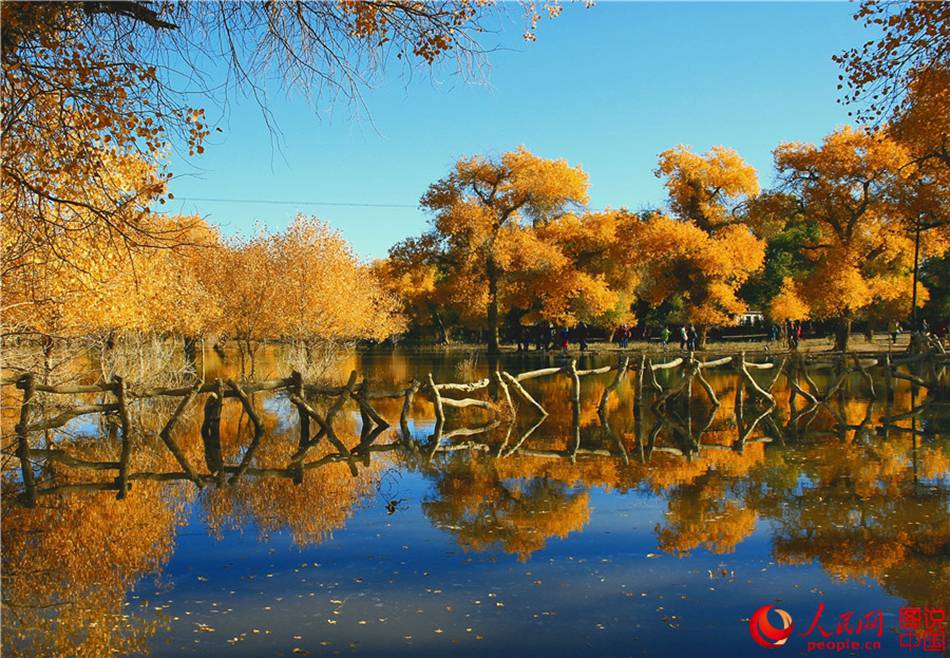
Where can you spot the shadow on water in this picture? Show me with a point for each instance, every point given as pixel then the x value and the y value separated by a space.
pixel 843 469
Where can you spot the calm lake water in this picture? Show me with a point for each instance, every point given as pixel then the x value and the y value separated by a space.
pixel 628 533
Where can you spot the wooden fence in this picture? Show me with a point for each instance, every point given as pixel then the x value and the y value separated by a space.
pixel 506 389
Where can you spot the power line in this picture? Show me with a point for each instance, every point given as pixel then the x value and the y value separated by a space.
pixel 336 204
pixel 286 202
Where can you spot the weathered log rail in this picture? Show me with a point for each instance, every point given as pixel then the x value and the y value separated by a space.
pixel 508 388
pixel 216 392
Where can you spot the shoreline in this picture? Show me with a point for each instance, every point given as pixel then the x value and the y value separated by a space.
pixel 881 344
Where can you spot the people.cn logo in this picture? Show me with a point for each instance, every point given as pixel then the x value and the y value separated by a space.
pixel 764 633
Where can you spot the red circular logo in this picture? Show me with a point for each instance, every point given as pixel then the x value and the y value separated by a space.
pixel 764 633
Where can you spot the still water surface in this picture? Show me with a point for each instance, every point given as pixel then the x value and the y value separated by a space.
pixel 656 535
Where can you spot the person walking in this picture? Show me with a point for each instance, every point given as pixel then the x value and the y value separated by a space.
pixel 665 337
pixel 693 337
pixel 581 331
pixel 684 337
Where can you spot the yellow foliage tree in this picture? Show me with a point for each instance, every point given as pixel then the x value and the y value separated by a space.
pixel 89 113
pixel 707 252
pixel 81 284
pixel 788 303
pixel 855 186
pixel 287 285
pixel 412 274
pixel 705 270
pixel 87 83
pixel 485 212
pixel 706 189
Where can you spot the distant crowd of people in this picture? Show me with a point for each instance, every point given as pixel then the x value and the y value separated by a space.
pixel 794 330
pixel 941 331
pixel 547 336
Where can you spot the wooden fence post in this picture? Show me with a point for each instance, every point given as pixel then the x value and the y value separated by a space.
pixel 436 401
pixel 211 432
pixel 126 422
pixel 575 408
pixel 520 390
pixel 258 431
pixel 407 408
pixel 27 383
pixel 304 419
pixel 166 434
pixel 503 387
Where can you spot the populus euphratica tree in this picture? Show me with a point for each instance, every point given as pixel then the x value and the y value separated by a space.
pixel 706 250
pixel 482 208
pixel 857 186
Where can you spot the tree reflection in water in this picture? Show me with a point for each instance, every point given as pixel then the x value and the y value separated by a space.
pixel 838 482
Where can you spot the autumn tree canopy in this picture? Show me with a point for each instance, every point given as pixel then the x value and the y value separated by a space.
pixel 704 252
pixel 87 86
pixel 912 44
pixel 288 284
pixel 488 245
pixel 855 187
pixel 900 82
pixel 95 95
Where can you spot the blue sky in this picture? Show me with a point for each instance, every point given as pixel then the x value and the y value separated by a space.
pixel 607 88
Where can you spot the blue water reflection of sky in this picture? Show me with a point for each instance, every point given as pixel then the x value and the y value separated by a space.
pixel 396 585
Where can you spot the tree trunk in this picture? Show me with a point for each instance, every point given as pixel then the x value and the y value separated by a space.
pixel 439 325
pixel 240 345
pixel 107 346
pixel 191 352
pixel 251 352
pixel 47 358
pixel 702 332
pixel 492 273
pixel 219 350
pixel 842 332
